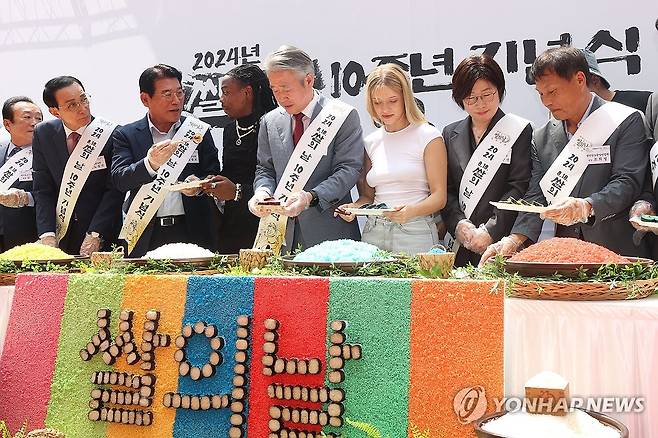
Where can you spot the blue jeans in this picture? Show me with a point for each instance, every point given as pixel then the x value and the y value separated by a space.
pixel 418 235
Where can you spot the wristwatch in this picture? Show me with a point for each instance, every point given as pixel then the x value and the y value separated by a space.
pixel 314 199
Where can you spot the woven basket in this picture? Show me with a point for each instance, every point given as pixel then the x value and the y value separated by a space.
pixel 254 258
pixel 443 263
pixel 7 279
pixel 585 291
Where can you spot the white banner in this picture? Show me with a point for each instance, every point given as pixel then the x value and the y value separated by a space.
pixel 94 39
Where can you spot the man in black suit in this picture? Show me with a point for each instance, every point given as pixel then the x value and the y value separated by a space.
pixel 142 147
pixel 96 216
pixel 17 216
pixel 597 208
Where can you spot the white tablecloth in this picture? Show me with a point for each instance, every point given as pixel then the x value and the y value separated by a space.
pixel 6 297
pixel 603 348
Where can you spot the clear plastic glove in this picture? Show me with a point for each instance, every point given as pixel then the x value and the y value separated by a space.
pixel 464 231
pixel 480 240
pixel 48 241
pixel 506 246
pixel 297 203
pixel 254 208
pixel 638 209
pixel 220 188
pixel 193 191
pixel 14 198
pixel 568 212
pixel 342 212
pixel 90 245
pixel 160 152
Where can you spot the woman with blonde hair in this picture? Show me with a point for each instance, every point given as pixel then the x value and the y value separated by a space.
pixel 404 167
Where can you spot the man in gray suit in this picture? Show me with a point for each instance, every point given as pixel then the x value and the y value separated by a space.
pixel 310 211
pixel 652 116
pixel 597 208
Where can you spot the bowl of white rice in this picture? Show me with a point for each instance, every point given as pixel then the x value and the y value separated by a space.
pixel 576 424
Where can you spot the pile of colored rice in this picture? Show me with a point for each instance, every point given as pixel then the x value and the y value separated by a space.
pixel 576 424
pixel 34 251
pixel 567 250
pixel 343 250
pixel 174 251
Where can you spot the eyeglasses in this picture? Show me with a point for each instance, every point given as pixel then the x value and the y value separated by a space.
pixel 486 98
pixel 169 95
pixel 75 105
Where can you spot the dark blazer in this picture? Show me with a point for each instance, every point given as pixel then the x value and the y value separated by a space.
pixel 99 206
pixel 19 225
pixel 612 187
pixel 131 143
pixel 511 180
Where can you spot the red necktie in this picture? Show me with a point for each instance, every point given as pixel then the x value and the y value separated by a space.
pixel 299 128
pixel 72 141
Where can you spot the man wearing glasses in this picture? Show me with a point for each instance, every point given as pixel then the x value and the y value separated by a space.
pixel 17 216
pixel 154 149
pixel 589 161
pixel 77 207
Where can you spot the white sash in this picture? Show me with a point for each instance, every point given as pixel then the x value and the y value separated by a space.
pixel 653 156
pixel 150 196
pixel 13 168
pixel 483 165
pixel 309 151
pixel 585 147
pixel 78 167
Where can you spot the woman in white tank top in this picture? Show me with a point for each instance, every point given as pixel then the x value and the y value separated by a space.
pixel 405 167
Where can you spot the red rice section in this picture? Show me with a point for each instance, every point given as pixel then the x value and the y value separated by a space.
pixel 567 250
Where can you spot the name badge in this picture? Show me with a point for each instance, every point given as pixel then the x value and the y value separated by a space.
pixel 599 155
pixel 508 157
pixel 25 176
pixel 194 158
pixel 99 164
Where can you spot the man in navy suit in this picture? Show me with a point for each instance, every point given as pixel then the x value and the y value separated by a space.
pixel 17 216
pixel 96 218
pixel 142 147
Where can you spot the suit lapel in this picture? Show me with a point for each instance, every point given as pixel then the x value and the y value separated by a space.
pixel 144 137
pixel 461 140
pixel 59 140
pixel 3 153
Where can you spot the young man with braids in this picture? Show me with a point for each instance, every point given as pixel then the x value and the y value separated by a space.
pixel 246 96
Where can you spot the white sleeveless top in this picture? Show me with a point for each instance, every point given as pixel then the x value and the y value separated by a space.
pixel 398 170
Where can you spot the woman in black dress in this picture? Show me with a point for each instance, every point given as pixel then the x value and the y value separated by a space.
pixel 246 96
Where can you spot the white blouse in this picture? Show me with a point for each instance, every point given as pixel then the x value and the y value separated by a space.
pixel 398 169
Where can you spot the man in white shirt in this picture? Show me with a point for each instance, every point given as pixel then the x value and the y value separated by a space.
pixel 142 147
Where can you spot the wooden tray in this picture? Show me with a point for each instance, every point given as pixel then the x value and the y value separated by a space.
pixel 197 262
pixel 652 225
pixel 288 262
pixel 187 185
pixel 519 207
pixel 541 269
pixel 370 211
pixel 61 262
